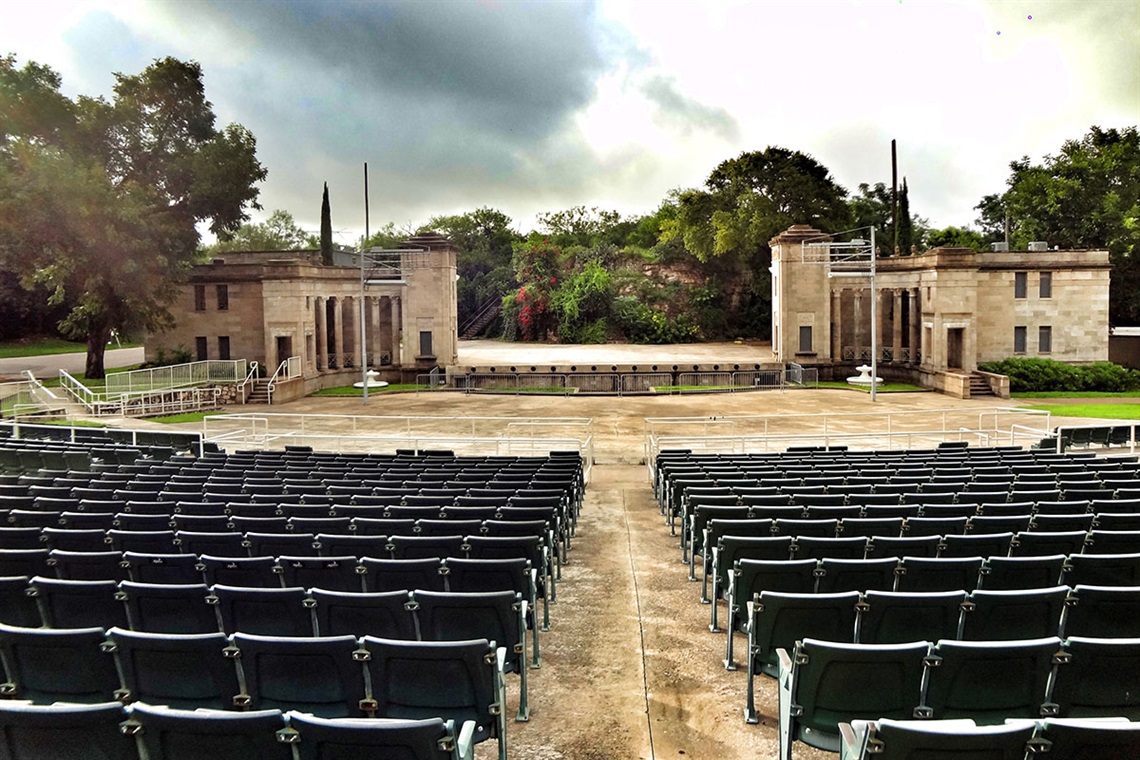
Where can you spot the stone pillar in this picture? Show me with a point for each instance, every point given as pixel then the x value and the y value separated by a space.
pixel 915 325
pixel 349 316
pixel 860 328
pixel 321 334
pixel 836 325
pixel 397 331
pixel 897 326
pixel 384 330
pixel 337 349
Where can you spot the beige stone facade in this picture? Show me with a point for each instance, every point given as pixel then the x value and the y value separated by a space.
pixel 268 306
pixel 940 313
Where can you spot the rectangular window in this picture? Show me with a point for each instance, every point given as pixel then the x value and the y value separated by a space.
pixel 223 297
pixel 425 343
pixel 1046 285
pixel 223 347
pixel 200 347
pixel 199 298
pixel 1045 339
pixel 805 339
pixel 1020 284
pixel 1019 339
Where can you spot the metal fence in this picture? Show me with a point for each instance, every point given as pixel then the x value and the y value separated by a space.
pixel 175 376
pixel 614 383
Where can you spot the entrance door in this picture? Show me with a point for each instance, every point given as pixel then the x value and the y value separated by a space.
pixel 954 348
pixel 284 349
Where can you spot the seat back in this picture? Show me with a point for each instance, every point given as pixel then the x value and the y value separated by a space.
pixel 321 675
pixel 990 681
pixel 1104 612
pixel 779 620
pixel 1014 614
pixel 896 617
pixel 171 734
pixel 44 665
pixel 264 611
pixel 78 604
pixel 187 671
pixel 427 739
pixel 1076 739
pixel 1001 573
pixel 402 574
pixel 91 732
pixel 169 608
pixel 924 574
pixel 387 613
pixel 905 740
pixel 1099 680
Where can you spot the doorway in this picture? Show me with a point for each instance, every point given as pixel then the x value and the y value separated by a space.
pixel 954 339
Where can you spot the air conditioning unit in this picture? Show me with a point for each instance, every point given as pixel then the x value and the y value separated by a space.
pixel 999 247
pixel 1038 245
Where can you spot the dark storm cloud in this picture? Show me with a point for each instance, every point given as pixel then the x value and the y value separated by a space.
pixel 688 114
pixel 451 99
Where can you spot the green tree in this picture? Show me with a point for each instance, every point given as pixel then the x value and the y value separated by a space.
pixel 906 227
pixel 389 236
pixel 749 200
pixel 585 227
pixel 1086 196
pixel 277 233
pixel 100 201
pixel 871 207
pixel 484 241
pixel 957 237
pixel 326 229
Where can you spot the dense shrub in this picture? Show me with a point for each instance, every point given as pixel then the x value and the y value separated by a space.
pixel 1030 375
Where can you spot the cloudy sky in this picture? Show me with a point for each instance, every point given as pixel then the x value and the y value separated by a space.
pixel 532 106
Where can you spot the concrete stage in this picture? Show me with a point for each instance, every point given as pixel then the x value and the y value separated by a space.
pixel 484 354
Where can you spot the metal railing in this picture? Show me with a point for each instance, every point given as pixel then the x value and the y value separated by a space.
pixel 213 371
pixel 862 430
pixel 254 370
pixel 1111 434
pixel 615 383
pixel 289 369
pixel 469 435
pixel 151 403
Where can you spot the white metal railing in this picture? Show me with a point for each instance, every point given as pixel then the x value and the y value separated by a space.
pixel 615 383
pixel 141 403
pixel 289 369
pixel 176 376
pixel 864 430
pixel 485 435
pixel 79 391
pixel 248 380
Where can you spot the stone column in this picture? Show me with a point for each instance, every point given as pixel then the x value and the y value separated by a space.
pixel 915 325
pixel 384 327
pixel 837 325
pixel 397 331
pixel 337 349
pixel 322 334
pixel 860 328
pixel 897 326
pixel 349 316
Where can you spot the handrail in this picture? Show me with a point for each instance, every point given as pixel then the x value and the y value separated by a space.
pixel 81 392
pixel 253 369
pixel 287 370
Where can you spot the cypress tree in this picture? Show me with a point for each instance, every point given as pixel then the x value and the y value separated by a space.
pixel 906 232
pixel 326 229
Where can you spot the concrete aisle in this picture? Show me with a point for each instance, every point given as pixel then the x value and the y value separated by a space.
pixel 630 669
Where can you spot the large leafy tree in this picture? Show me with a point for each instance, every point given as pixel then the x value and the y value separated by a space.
pixel 749 199
pixel 100 200
pixel 1086 196
pixel 280 232
pixel 484 240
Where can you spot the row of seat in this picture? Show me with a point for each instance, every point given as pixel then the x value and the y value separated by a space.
pixel 178 607
pixel 963 739
pixel 822 684
pixel 907 574
pixel 327 676
pixel 110 731
pixel 775 620
pixel 914 520
pixel 164 613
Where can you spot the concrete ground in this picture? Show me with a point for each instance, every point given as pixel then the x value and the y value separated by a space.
pixel 49 365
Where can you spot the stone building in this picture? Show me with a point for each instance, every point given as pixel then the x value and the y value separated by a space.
pixel 940 313
pixel 268 306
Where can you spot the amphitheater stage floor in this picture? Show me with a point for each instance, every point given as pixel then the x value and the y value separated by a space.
pixel 483 353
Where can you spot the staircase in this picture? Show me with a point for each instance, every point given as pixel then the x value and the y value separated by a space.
pixel 979 386
pixel 487 314
pixel 259 392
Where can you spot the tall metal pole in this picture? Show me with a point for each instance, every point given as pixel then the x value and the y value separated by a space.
pixel 874 322
pixel 894 201
pixel 361 333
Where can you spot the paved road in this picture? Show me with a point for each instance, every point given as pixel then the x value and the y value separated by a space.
pixel 49 365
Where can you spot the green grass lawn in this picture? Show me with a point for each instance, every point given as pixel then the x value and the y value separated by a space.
pixel 43 346
pixel 883 387
pixel 174 419
pixel 1099 411
pixel 1074 394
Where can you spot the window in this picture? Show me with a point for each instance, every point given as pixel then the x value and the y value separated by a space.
pixel 1019 339
pixel 200 347
pixel 1046 285
pixel 199 298
pixel 223 297
pixel 223 347
pixel 805 339
pixel 425 343
pixel 1020 284
pixel 1045 339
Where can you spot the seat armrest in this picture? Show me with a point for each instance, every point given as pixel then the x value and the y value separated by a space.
pixel 464 744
